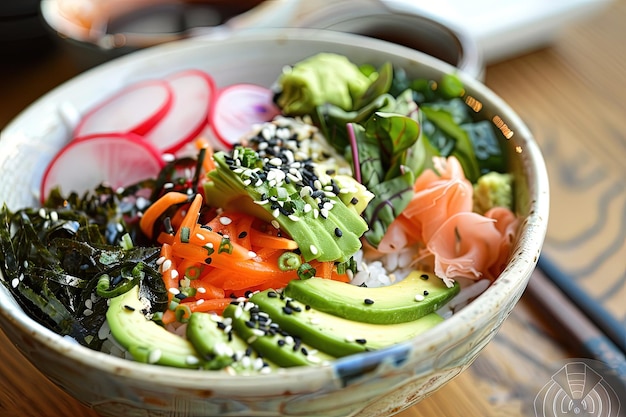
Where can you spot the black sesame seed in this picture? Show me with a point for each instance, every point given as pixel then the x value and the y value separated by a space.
pixel 338 232
pixel 281 342
pixel 243 234
pixel 272 294
pixel 221 325
pixel 361 341
pixel 287 310
pixel 354 200
pixel 129 308
pixel 208 261
pixel 304 351
pixel 250 324
pixel 368 301
pixel 424 277
pixel 425 292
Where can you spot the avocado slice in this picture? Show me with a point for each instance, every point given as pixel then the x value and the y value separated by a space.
pixel 296 212
pixel 335 335
pixel 147 341
pixel 270 341
pixel 409 299
pixel 213 337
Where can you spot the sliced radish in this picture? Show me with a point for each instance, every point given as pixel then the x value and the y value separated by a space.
pixel 237 109
pixel 116 159
pixel 134 109
pixel 187 118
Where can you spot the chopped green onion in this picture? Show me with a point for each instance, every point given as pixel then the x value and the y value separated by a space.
pixel 185 232
pixel 289 261
pixel 306 271
pixel 183 313
pixel 225 246
pixel 127 242
pixel 193 272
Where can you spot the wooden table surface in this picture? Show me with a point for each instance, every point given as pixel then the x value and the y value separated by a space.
pixel 572 91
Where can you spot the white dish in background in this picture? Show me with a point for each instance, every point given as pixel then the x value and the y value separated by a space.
pixel 504 28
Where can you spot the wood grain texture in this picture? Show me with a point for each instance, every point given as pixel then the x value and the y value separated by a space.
pixel 573 97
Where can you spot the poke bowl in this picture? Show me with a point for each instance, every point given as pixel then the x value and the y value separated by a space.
pixel 132 378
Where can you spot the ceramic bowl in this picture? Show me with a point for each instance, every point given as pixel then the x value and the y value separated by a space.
pixel 379 383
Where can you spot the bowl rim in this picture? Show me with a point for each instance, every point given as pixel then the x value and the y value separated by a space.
pixel 526 252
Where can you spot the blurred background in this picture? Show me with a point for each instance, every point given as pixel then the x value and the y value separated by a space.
pixel 45 42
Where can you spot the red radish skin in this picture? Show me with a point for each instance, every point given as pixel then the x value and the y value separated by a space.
pixel 187 118
pixel 116 159
pixel 134 109
pixel 237 109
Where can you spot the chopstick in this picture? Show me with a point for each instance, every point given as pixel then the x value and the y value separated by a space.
pixel 594 310
pixel 579 329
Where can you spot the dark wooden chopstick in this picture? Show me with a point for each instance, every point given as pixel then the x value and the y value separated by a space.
pixel 579 328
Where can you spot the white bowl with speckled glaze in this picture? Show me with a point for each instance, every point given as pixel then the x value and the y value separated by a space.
pixel 370 384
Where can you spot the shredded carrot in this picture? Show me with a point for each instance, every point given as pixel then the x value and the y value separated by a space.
pixel 267 240
pixel 151 215
pixel 168 271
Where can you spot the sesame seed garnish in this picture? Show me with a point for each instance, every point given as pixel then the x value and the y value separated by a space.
pixel 361 341
pixel 338 232
pixel 313 249
pixel 424 277
pixel 419 297
pixel 154 356
pixel 368 301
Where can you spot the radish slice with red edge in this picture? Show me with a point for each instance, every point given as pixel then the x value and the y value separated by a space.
pixel 117 159
pixel 136 108
pixel 187 118
pixel 237 109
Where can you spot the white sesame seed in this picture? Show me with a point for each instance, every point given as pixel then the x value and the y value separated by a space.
pixel 200 301
pixel 15 282
pixel 192 360
pixel 419 297
pixel 54 216
pixel 201 290
pixel 226 220
pixel 275 213
pixel 160 260
pixel 313 249
pixel 275 224
pixel 154 356
pixel 166 265
pixel 199 236
pixel 293 218
pixel 307 208
pixel 252 254
pixel 42 213
pixel 174 291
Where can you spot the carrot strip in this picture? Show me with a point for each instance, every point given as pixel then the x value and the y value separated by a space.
pixel 265 240
pixel 206 290
pixel 168 317
pixel 156 209
pixel 169 273
pixel 322 269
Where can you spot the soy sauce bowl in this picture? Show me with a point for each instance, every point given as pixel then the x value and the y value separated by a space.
pixel 378 383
